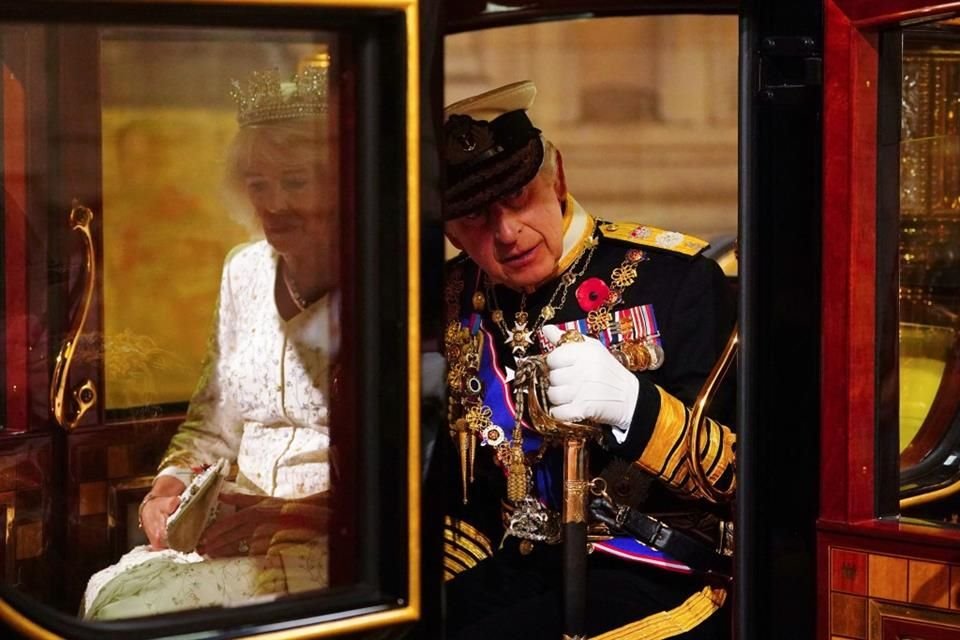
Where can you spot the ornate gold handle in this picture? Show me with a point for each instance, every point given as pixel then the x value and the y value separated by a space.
pixel 698 421
pixel 536 373
pixel 85 394
pixel 574 436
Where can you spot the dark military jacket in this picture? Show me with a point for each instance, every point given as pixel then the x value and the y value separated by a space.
pixel 678 300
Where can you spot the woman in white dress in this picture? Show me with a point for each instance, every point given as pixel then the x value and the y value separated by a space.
pixel 264 397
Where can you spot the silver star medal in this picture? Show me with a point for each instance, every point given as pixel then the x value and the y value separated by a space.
pixel 520 338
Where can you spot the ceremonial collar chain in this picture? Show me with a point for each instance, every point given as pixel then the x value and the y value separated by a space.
pixel 519 337
pixel 471 420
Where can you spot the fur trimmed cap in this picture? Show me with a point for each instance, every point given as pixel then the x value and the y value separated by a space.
pixel 490 148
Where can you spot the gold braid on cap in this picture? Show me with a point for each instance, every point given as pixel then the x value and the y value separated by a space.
pixel 265 98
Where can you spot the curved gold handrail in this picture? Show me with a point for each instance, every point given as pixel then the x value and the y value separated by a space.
pixel 84 395
pixel 698 422
pixel 931 496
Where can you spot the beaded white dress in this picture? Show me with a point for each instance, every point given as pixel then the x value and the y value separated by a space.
pixel 263 402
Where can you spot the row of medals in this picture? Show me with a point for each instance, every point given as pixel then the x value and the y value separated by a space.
pixel 526 517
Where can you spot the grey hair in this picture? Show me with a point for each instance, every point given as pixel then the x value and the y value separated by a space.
pixel 548 168
pixel 282 142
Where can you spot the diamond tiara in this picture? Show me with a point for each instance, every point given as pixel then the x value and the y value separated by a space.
pixel 265 98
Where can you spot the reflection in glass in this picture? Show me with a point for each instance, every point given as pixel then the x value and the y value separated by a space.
pixel 165 128
pixel 929 272
pixel 210 162
pixel 263 402
pixel 644 146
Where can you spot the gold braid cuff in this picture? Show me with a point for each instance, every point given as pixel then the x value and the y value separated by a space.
pixel 667 624
pixel 666 455
pixel 463 547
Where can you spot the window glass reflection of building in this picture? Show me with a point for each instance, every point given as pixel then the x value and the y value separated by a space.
pixel 264 396
pixel 164 132
pixel 646 108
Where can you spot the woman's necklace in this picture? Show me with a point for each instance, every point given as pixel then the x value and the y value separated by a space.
pixel 298 300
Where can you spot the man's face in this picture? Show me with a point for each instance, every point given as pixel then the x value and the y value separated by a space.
pixel 517 241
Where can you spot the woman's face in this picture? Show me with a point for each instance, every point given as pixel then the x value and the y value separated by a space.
pixel 295 199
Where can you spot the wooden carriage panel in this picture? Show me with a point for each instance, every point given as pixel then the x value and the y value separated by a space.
pixel 870 571
pixel 849 257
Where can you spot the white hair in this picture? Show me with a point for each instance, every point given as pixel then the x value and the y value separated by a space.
pixel 548 168
pixel 292 140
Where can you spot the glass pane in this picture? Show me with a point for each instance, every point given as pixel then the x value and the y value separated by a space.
pixel 638 144
pixel 165 129
pixel 929 271
pixel 626 120
pixel 179 239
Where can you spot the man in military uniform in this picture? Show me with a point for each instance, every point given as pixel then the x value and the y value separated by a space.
pixel 630 320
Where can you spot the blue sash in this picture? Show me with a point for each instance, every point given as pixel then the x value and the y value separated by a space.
pixel 498 396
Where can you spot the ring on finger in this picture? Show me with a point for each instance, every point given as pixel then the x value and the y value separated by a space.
pixel 570 335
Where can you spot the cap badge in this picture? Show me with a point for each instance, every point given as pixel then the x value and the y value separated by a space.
pixel 467 138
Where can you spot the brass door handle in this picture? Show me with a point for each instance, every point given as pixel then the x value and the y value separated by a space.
pixel 84 395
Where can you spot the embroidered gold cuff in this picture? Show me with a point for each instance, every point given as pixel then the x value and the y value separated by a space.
pixel 666 449
pixel 666 454
pixel 463 547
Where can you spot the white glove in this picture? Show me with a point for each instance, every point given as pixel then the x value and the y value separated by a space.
pixel 586 381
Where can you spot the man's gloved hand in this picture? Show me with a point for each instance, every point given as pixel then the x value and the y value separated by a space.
pixel 587 382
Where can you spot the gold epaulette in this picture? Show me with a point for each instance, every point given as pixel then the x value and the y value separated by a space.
pixel 647 236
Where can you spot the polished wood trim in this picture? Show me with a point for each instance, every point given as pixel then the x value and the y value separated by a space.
pixel 874 13
pixel 14 251
pixel 923 542
pixel 889 621
pixel 848 571
pixel 891 541
pixel 848 615
pixel 344 409
pixel 849 258
pixel 888 577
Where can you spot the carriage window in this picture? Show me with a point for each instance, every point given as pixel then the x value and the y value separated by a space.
pixel 638 144
pixel 927 245
pixel 642 113
pixel 184 293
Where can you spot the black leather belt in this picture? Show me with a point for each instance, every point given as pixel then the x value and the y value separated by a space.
pixel 660 536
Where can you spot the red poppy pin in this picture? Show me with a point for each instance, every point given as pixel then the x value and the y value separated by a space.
pixel 592 293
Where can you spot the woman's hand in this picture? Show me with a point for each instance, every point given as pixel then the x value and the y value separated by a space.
pixel 260 521
pixel 163 499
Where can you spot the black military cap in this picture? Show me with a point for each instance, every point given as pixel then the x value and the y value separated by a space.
pixel 490 148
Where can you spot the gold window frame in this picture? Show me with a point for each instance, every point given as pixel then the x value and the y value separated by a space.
pixel 407 610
